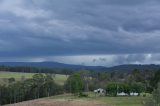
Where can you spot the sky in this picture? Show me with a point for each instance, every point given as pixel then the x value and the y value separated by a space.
pixel 86 32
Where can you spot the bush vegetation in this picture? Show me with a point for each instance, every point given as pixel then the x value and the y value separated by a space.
pixel 37 87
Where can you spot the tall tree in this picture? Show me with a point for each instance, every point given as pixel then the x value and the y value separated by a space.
pixel 75 84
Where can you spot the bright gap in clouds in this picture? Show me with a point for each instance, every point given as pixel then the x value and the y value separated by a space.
pixel 109 60
pixel 96 60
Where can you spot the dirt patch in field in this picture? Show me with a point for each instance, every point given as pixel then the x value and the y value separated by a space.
pixel 59 102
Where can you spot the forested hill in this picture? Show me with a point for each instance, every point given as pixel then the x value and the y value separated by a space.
pixel 56 65
pixel 131 67
pixel 52 65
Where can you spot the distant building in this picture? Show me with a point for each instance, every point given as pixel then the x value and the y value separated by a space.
pixel 134 94
pixel 122 94
pixel 126 94
pixel 99 90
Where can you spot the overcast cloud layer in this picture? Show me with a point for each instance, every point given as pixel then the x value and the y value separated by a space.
pixel 90 32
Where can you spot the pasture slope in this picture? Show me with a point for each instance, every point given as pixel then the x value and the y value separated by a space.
pixel 70 100
pixel 59 79
pixel 59 102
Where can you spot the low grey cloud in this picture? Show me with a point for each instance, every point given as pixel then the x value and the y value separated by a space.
pixel 42 28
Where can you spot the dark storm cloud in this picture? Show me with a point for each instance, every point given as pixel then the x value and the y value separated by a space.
pixel 30 28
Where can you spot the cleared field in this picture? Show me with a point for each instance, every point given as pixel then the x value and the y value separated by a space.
pixel 110 101
pixel 60 79
pixel 70 100
pixel 15 75
pixel 124 101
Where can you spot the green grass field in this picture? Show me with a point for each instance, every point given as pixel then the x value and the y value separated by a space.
pixel 111 101
pixel 59 79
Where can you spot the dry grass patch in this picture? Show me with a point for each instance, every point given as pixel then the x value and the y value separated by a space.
pixel 59 102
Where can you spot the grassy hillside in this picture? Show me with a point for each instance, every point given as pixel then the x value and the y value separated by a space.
pixel 60 79
pixel 70 100
pixel 111 101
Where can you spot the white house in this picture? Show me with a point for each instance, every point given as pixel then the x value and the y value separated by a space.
pixel 134 94
pixel 122 94
pixel 125 94
pixel 100 90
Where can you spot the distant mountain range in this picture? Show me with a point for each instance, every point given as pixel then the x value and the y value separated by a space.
pixel 56 65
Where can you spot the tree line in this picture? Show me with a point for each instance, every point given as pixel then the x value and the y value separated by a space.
pixel 29 69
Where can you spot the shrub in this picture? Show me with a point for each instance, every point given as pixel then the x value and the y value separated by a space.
pixel 83 95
